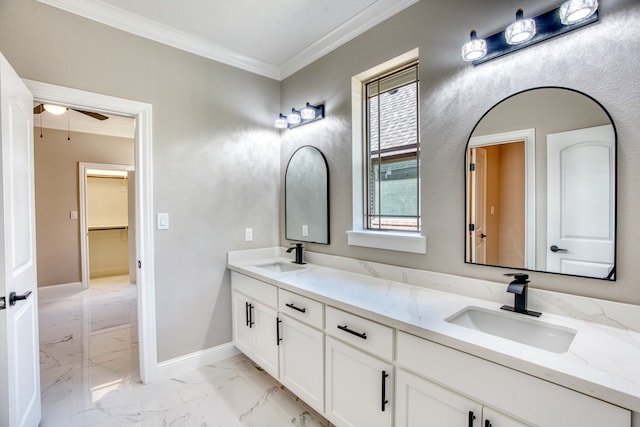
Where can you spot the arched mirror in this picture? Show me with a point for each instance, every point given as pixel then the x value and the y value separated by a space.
pixel 540 174
pixel 307 196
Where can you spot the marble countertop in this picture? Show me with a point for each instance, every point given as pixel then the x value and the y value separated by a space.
pixel 603 361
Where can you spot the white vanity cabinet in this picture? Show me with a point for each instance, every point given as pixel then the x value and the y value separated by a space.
pixel 423 403
pixel 533 401
pixel 255 321
pixel 359 383
pixel 302 347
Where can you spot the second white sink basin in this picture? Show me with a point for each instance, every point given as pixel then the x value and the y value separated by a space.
pixel 516 327
pixel 280 266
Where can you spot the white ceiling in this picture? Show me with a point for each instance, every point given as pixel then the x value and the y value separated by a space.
pixel 272 38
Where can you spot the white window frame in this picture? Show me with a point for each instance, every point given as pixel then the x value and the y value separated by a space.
pixel 359 235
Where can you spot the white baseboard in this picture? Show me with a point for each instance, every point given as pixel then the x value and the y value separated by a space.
pixel 40 288
pixel 192 361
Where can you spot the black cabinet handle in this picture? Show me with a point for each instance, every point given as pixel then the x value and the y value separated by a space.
pixel 471 418
pixel 251 322
pixel 3 303
pixel 13 297
pixel 487 423
pixel 246 313
pixel 278 337
pixel 362 335
pixel 384 400
pixel 554 248
pixel 301 310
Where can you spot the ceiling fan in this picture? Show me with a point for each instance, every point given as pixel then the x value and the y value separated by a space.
pixel 45 107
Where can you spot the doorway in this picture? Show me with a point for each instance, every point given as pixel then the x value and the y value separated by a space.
pixel 141 112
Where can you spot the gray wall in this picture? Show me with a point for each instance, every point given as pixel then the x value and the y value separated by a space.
pixel 602 60
pixel 216 167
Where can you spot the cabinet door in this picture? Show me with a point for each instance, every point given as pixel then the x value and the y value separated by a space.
pixel 422 403
pixel 494 418
pixel 242 333
pixel 359 387
pixel 265 341
pixel 302 361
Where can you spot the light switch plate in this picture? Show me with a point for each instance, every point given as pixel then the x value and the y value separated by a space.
pixel 248 234
pixel 73 214
pixel 163 221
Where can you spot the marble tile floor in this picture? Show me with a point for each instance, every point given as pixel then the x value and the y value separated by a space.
pixel 89 372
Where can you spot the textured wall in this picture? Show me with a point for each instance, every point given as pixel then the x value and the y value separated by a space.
pixel 215 154
pixel 602 60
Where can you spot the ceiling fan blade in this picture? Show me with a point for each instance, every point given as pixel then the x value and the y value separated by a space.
pixel 38 109
pixel 96 116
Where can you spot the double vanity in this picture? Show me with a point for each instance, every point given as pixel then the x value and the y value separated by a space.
pixel 368 344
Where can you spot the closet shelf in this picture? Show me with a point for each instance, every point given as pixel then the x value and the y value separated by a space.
pixel 108 227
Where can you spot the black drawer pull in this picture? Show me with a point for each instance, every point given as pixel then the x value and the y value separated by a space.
pixel 278 337
pixel 246 312
pixel 471 418
pixel 487 423
pixel 362 335
pixel 384 390
pixel 301 310
pixel 251 322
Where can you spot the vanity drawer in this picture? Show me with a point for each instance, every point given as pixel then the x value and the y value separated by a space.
pixel 260 291
pixel 359 332
pixel 302 308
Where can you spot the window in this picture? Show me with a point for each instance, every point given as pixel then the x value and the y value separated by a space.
pixel 385 157
pixel 392 163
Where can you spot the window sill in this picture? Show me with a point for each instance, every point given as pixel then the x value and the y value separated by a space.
pixel 389 240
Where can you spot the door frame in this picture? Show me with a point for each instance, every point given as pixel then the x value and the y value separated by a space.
pixel 529 138
pixel 83 168
pixel 142 113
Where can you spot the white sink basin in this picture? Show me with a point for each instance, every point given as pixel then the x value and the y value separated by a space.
pixel 280 266
pixel 515 327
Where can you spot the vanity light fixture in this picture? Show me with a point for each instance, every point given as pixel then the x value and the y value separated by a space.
pixel 475 48
pixel 310 113
pixel 571 15
pixel 281 122
pixel 522 30
pixel 294 118
pixel 574 11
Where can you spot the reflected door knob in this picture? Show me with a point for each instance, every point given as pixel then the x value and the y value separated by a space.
pixel 554 248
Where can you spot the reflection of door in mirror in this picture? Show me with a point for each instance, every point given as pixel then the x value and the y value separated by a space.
pixel 580 190
pixel 497 183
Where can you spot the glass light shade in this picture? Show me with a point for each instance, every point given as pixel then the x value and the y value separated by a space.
pixel 56 110
pixel 474 49
pixel 281 122
pixel 308 113
pixel 293 118
pixel 522 30
pixel 574 11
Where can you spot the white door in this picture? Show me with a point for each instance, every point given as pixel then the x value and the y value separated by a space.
pixel 478 205
pixel 19 347
pixel 425 404
pixel 265 339
pixel 580 202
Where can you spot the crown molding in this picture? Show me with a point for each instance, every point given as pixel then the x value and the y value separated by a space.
pixel 135 24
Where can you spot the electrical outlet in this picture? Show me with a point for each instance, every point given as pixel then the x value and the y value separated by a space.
pixel 305 230
pixel 248 234
pixel 73 214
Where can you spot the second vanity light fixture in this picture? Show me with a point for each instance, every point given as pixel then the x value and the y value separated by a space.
pixel 523 32
pixel 310 113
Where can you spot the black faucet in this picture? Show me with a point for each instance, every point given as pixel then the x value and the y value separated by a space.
pixel 518 287
pixel 298 249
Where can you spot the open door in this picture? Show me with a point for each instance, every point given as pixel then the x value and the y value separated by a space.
pixel 580 207
pixel 19 346
pixel 478 205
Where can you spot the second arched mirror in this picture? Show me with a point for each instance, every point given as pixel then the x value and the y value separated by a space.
pixel 541 180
